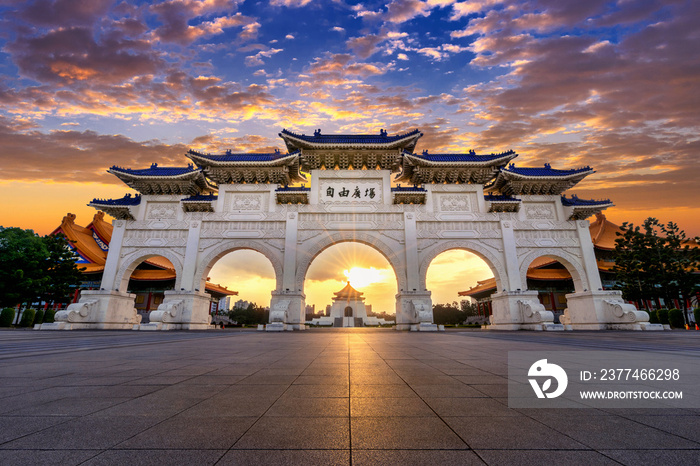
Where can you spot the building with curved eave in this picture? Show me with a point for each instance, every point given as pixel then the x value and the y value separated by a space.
pixel 148 282
pixel 333 188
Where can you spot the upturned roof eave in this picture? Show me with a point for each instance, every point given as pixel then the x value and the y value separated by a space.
pixel 191 174
pixel 496 161
pixel 509 175
pixel 200 159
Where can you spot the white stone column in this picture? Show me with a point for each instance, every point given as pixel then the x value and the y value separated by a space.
pixel 287 306
pixel 411 248
pixel 188 281
pixel 109 275
pixel 590 263
pixel 414 306
pixel 506 302
pixel 510 252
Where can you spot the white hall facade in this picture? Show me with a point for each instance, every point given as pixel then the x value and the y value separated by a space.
pixel 369 189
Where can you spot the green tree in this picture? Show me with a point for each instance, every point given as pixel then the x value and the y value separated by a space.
pixel 23 256
pixel 62 271
pixel 683 266
pixel 655 261
pixel 448 314
pixel 470 309
pixel 251 315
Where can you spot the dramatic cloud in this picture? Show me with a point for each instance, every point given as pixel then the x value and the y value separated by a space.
pixel 607 84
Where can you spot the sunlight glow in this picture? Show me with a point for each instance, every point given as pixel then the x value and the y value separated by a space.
pixel 360 277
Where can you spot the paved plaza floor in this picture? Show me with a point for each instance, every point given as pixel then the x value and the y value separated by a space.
pixel 355 396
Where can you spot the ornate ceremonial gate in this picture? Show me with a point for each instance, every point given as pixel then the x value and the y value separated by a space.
pixel 195 215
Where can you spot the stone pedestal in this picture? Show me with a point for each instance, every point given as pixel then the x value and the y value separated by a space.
pixel 98 309
pixel 520 310
pixel 414 311
pixel 599 310
pixel 181 310
pixel 287 311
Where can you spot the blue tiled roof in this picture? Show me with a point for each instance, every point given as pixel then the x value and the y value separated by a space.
pixel 407 189
pixel 468 157
pixel 297 189
pixel 547 171
pixel 500 198
pixel 202 198
pixel 155 170
pixel 575 201
pixel 241 157
pixel 381 138
pixel 126 200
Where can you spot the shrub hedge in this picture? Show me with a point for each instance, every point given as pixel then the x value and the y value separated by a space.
pixel 653 317
pixel 48 316
pixel 27 318
pixel 675 318
pixel 39 317
pixel 662 314
pixel 7 316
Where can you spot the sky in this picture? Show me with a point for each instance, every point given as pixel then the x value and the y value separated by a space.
pixel 85 85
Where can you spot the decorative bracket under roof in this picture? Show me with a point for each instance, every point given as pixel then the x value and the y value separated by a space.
pixel 408 195
pixel 292 195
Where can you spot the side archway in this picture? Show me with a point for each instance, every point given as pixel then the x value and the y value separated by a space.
pixel 392 256
pixel 206 263
pixel 493 262
pixel 572 264
pixel 131 261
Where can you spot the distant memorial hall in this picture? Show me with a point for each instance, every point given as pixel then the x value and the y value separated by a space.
pixel 508 216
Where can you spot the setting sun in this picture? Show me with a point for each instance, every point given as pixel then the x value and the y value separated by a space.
pixel 359 277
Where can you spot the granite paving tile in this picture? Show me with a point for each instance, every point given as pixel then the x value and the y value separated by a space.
pixel 286 457
pixel 156 457
pixel 14 427
pixel 45 457
pixel 382 391
pixel 469 407
pixel 181 432
pixel 664 456
pixel 89 432
pixel 273 432
pixel 613 432
pixel 542 457
pixel 388 407
pixel 509 432
pixel 415 457
pixel 292 406
pixel 424 432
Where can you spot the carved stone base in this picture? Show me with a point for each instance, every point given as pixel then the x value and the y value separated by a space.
pixel 98 309
pixel 424 327
pixel 181 310
pixel 600 310
pixel 520 310
pixel 276 327
pixel 413 308
pixel 651 327
pixel 288 308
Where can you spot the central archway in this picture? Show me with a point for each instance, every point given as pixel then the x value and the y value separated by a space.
pixel 350 280
pixel 309 252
